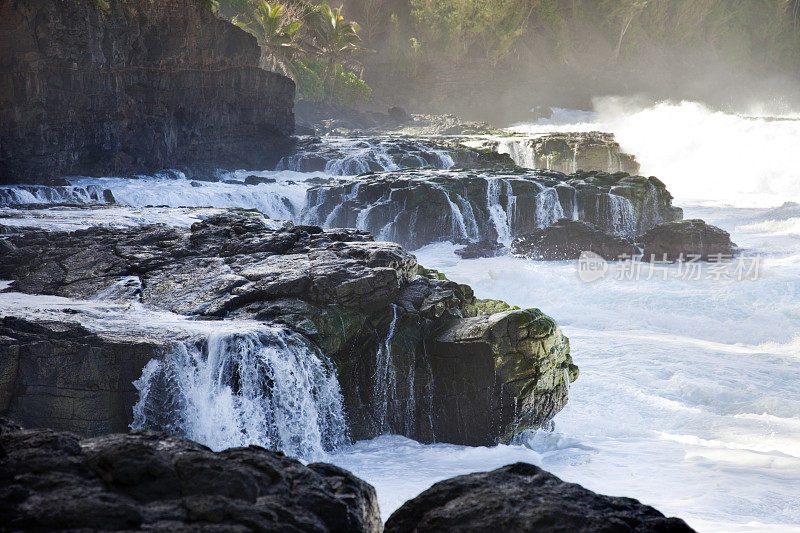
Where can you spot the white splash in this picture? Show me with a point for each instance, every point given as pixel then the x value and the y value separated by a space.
pixel 262 387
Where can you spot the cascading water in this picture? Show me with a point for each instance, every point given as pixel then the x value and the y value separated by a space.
pixel 502 217
pixel 350 157
pixel 620 216
pixel 16 195
pixel 548 208
pixel 519 149
pixel 459 226
pixel 385 380
pixel 264 386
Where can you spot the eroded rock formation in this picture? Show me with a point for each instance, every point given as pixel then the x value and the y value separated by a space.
pixel 144 86
pixel 418 207
pixel 416 354
pixel 686 240
pixel 567 152
pixel 567 239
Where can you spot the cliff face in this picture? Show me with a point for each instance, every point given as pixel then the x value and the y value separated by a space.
pixel 147 85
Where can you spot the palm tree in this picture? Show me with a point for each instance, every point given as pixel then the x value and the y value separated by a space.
pixel 275 33
pixel 335 40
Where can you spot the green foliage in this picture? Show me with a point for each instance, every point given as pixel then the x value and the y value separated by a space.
pixel 347 89
pixel 211 5
pixel 101 5
pixel 275 32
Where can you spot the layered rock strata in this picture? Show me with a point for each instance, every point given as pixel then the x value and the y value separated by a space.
pixel 139 87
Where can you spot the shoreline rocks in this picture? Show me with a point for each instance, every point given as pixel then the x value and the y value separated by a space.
pixel 566 152
pixel 687 239
pixel 522 497
pixel 363 303
pixel 416 207
pixel 567 239
pixel 134 89
pixel 56 481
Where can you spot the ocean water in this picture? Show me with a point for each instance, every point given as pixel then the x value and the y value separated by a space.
pixel 689 392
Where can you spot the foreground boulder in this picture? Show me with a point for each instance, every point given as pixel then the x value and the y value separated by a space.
pixel 686 239
pixel 522 497
pixel 136 87
pixel 415 353
pixel 54 481
pixel 567 239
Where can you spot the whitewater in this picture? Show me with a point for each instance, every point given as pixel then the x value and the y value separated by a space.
pixel 689 392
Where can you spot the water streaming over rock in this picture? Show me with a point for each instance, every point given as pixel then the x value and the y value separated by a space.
pixel 501 215
pixel 349 157
pixel 385 380
pixel 548 208
pixel 262 386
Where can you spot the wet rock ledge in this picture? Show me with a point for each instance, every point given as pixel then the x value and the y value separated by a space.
pixel 462 370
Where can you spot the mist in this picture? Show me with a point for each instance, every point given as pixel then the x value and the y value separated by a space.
pixel 511 60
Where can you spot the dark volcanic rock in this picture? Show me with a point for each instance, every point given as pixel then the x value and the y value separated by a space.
pixel 60 375
pixel 418 207
pixel 522 497
pixel 674 241
pixel 144 86
pixel 53 481
pixel 354 298
pixel 566 239
pixel 480 249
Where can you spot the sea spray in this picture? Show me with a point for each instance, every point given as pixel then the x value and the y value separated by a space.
pixel 264 386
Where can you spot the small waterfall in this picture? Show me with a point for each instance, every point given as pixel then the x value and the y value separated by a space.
pixel 459 229
pixel 548 208
pixel 473 233
pixel 385 381
pixel 16 195
pixel 520 151
pixel 348 157
pixel 281 200
pixel 621 216
pixel 445 159
pixel 501 217
pixel 575 158
pixel 126 289
pixel 266 387
pixel 575 214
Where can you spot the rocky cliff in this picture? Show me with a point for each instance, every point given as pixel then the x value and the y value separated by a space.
pixel 139 87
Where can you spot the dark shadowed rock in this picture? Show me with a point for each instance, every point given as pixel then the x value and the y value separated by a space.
pixel 675 240
pixel 135 88
pixel 524 498
pixel 566 239
pixel 480 249
pixel 420 206
pixel 53 481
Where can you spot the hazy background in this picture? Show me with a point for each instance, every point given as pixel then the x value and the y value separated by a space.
pixel 495 59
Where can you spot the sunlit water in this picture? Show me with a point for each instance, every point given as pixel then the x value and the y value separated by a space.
pixel 689 392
